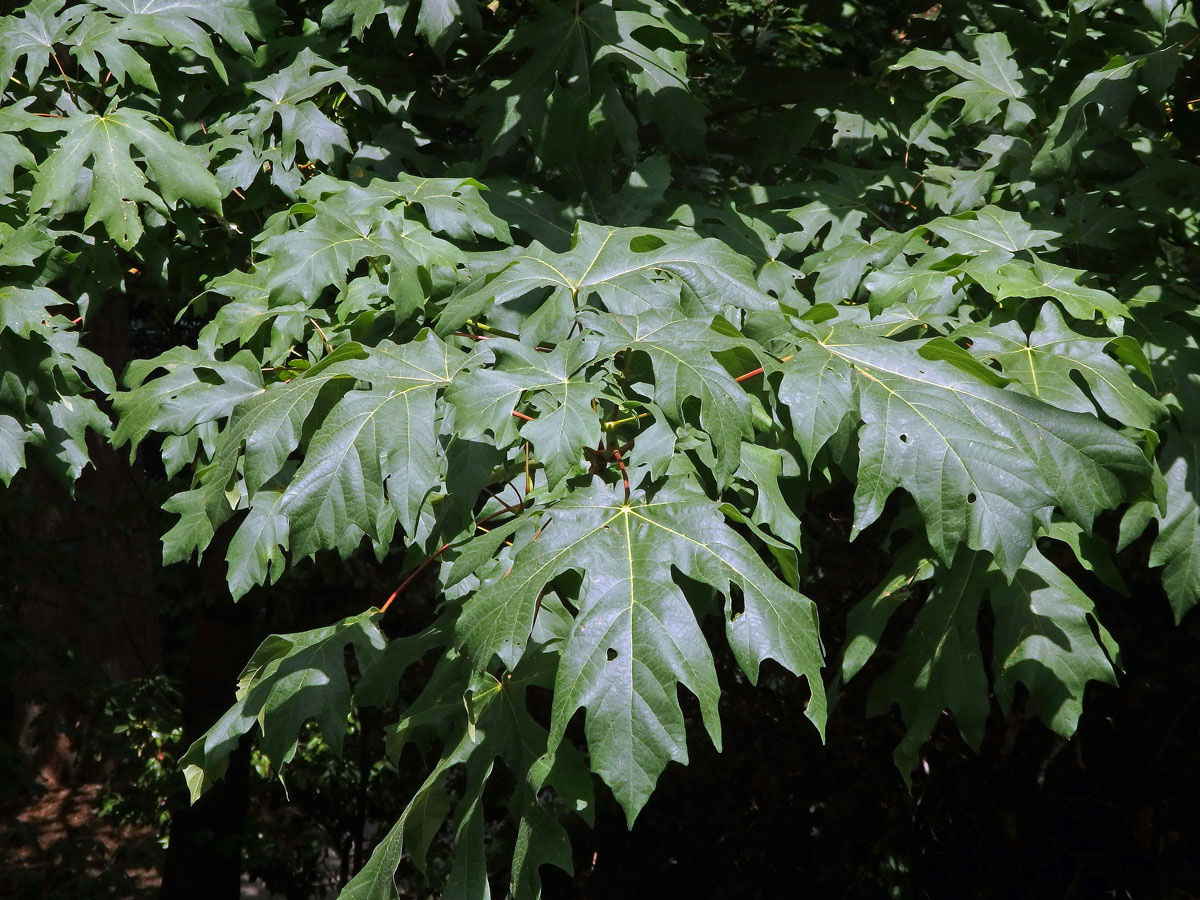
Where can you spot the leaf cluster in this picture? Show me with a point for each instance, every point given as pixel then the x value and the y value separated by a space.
pixel 577 305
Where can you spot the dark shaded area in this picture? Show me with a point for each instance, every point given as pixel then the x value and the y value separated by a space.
pixel 1108 813
pixel 207 837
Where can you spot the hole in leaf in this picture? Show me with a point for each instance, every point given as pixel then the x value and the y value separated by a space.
pixel 737 602
pixel 208 376
pixel 612 654
pixel 904 438
pixel 645 243
pixel 971 498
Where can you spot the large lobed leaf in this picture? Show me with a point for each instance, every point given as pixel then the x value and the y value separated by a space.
pixel 636 636
pixel 1044 640
pixel 985 465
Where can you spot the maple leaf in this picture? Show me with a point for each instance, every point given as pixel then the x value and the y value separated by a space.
pixel 1045 362
pixel 573 56
pixel 636 635
pixel 629 270
pixel 439 21
pixel 1043 279
pixel 117 184
pixel 1044 639
pixel 290 678
pixel 32 36
pixel 990 229
pixel 983 464
pixel 505 372
pixel 373 444
pixel 988 85
pixel 110 32
pixel 682 352
pixel 289 96
pixel 45 382
pixel 319 254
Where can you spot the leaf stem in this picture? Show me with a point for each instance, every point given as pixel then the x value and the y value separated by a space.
pixel 63 72
pixel 508 509
pixel 528 476
pixel 324 339
pixel 759 370
pixel 624 472
pixel 609 426
pixel 412 576
pixel 498 332
pixel 483 326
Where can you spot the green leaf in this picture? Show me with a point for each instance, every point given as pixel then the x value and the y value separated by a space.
pixel 1177 547
pixel 453 207
pixel 682 352
pixel 25 245
pixel 256 551
pixel 1045 364
pixel 118 185
pixel 306 260
pixel 940 664
pixel 1044 639
pixel 193 389
pixel 932 279
pixel 439 21
pixel 554 384
pixel 573 57
pixel 840 268
pixel 867 620
pixel 13 438
pixel 289 95
pixel 107 33
pixel 374 444
pixel 818 389
pixel 763 467
pixel 988 85
pixel 260 435
pixel 32 36
pixel 990 229
pixel 1042 279
pixel 46 379
pixel 628 270
pixel 984 465
pixel 1109 92
pixel 236 21
pixel 376 880
pixel 290 679
pixel 635 636
pixel 898 291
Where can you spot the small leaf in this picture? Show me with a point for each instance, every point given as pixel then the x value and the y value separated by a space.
pixel 290 679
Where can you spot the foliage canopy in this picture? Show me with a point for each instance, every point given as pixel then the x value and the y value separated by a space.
pixel 582 322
